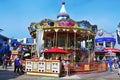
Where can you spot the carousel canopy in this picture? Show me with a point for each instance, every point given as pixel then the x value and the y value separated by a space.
pixel 56 50
pixel 64 24
pixel 105 39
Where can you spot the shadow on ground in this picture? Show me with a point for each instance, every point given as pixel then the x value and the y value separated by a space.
pixel 8 75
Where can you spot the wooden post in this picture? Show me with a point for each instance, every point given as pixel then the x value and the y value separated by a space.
pixel 67 40
pixel 75 44
pixel 56 30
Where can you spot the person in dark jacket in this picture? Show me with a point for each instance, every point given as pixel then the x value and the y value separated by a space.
pixel 17 64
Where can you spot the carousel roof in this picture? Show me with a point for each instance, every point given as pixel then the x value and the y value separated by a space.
pixel 64 23
pixel 63 14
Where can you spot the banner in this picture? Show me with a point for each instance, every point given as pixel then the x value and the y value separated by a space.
pixel 40 42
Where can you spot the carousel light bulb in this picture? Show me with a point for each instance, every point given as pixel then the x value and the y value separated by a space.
pixel 63 29
pixel 49 29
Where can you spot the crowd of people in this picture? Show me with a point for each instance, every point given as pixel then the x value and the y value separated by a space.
pixel 5 61
pixel 18 68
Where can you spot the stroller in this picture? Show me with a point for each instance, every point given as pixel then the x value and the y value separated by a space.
pixel 22 69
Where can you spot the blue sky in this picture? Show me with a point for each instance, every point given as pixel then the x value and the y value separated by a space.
pixel 17 15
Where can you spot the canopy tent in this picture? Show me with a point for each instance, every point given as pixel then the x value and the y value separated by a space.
pixel 15 43
pixel 111 39
pixel 56 50
pixel 4 49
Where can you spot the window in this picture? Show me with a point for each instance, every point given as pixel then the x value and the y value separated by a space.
pixel 61 41
pixel 108 44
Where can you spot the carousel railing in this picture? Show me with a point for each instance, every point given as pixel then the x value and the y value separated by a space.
pixel 56 68
pixel 43 67
pixel 90 67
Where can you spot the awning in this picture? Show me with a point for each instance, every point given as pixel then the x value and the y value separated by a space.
pixel 110 54
pixel 56 50
pixel 112 49
pixel 111 39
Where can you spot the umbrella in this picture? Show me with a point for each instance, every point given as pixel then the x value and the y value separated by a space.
pixel 27 54
pixel 56 50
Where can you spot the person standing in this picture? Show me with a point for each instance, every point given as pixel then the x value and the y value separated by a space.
pixel 118 67
pixel 68 67
pixel 17 64
pixel 110 61
pixel 4 59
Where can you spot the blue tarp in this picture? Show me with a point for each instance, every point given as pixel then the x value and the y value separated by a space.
pixel 105 39
pixel 4 49
pixel 15 43
pixel 1 41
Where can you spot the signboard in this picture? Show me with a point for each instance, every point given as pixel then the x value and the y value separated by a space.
pixel 29 40
pixel 86 67
pixel 35 66
pixel 28 66
pixel 55 67
pixel 14 52
pixel 41 66
pixel 48 66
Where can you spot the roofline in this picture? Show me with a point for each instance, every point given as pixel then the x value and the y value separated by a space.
pixel 4 37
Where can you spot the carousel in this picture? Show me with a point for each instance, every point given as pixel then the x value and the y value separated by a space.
pixel 60 42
